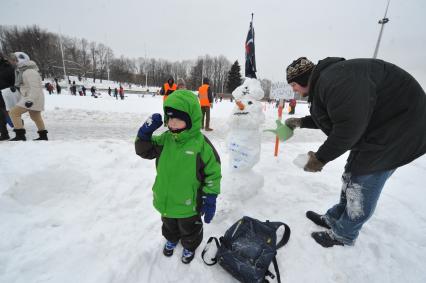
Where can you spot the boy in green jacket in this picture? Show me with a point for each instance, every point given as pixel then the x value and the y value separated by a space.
pixel 188 172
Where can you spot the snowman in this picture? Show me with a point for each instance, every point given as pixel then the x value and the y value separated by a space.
pixel 244 138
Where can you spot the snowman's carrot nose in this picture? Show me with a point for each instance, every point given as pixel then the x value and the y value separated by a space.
pixel 240 105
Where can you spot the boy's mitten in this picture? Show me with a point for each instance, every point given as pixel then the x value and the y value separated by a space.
pixel 313 165
pixel 293 123
pixel 151 124
pixel 208 207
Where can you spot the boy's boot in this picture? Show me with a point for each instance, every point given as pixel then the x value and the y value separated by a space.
pixel 326 239
pixel 187 256
pixel 42 135
pixel 317 219
pixel 20 135
pixel 169 248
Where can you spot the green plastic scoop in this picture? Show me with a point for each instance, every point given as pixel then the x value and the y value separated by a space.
pixel 282 131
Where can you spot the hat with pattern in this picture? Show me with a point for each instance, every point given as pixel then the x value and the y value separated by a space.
pixel 299 71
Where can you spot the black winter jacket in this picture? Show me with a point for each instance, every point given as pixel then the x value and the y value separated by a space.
pixel 368 106
pixel 7 78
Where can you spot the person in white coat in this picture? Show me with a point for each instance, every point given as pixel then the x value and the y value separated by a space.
pixel 28 82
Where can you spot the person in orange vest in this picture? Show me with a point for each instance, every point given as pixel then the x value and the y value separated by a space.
pixel 206 100
pixel 168 88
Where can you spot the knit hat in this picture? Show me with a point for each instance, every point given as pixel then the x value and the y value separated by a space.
pixel 174 113
pixel 299 71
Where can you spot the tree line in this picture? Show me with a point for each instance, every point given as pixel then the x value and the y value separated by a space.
pixel 91 59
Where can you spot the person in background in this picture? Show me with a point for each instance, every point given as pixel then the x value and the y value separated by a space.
pixel 168 88
pixel 116 93
pixel 7 79
pixel 58 88
pixel 292 105
pixel 93 90
pixel 28 82
pixel 109 91
pixel 121 92
pixel 181 84
pixel 206 102
pixel 372 108
pixel 74 88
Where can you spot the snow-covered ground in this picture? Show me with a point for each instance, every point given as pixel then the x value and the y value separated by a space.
pixel 78 208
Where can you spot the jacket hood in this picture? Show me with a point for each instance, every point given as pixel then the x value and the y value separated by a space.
pixel 322 65
pixel 186 101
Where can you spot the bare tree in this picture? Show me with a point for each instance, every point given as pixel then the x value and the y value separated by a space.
pixel 94 57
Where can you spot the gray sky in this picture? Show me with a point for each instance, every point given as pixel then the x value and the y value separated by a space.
pixel 285 30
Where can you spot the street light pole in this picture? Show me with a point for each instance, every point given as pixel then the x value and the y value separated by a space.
pixel 381 22
pixel 144 67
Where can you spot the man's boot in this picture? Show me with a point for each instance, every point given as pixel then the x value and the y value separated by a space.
pixel 20 135
pixel 326 239
pixel 42 135
pixel 317 219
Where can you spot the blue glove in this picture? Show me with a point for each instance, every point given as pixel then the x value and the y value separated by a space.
pixel 208 208
pixel 151 124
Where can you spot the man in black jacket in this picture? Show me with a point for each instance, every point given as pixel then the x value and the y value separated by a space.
pixel 370 107
pixel 7 79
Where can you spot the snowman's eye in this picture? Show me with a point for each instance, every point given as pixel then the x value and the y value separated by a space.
pixel 250 103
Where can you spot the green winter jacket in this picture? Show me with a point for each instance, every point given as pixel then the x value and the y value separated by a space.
pixel 187 163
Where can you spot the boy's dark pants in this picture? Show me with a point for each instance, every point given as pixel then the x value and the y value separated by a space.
pixel 205 110
pixel 188 230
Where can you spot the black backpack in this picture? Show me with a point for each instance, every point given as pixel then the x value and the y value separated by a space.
pixel 248 248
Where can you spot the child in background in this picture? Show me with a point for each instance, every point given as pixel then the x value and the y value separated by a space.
pixel 188 172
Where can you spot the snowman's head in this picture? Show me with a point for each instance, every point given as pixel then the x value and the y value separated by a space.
pixel 247 114
pixel 250 89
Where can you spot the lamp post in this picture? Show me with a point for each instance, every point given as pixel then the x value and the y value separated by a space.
pixel 144 67
pixel 381 22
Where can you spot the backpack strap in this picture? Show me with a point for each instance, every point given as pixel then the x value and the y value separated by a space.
pixel 206 248
pixel 285 237
pixel 277 271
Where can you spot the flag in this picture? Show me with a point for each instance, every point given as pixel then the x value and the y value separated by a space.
pixel 250 56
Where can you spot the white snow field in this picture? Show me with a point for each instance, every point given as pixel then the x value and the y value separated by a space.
pixel 78 208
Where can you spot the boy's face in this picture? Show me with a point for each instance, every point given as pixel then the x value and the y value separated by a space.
pixel 176 124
